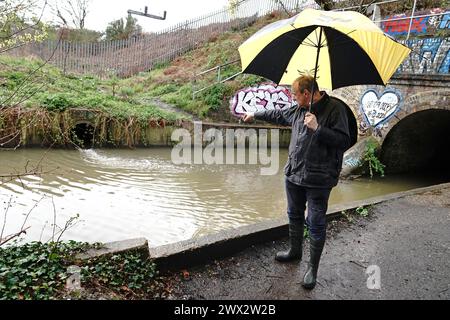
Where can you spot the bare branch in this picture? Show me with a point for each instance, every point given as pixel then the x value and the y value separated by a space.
pixel 54 219
pixel 74 11
pixel 29 212
pixel 6 213
pixel 15 235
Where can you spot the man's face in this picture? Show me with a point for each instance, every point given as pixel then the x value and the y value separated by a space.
pixel 302 98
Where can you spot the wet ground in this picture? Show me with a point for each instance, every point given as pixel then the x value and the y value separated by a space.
pixel 408 239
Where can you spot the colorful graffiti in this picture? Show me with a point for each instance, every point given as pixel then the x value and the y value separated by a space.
pixel 419 26
pixel 431 55
pixel 266 96
pixel 377 109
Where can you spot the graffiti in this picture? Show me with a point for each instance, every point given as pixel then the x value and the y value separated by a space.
pixel 445 24
pixel 352 162
pixel 431 55
pixel 378 110
pixel 378 131
pixel 267 96
pixel 419 26
pixel 400 27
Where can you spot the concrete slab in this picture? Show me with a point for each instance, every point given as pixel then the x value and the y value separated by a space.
pixel 110 248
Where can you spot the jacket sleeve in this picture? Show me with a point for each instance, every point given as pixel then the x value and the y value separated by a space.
pixel 336 133
pixel 282 117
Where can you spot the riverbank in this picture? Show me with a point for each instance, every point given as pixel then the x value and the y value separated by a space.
pixel 407 238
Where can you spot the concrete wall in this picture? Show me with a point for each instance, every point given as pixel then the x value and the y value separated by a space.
pixel 115 133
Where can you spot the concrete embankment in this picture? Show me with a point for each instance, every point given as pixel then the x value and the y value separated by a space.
pixel 89 128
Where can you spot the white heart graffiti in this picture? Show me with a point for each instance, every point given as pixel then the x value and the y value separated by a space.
pixel 378 110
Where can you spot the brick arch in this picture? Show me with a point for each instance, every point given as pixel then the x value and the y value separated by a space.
pixel 417 135
pixel 429 99
pixel 433 99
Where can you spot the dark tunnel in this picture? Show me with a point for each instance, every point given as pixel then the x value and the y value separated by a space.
pixel 83 135
pixel 419 143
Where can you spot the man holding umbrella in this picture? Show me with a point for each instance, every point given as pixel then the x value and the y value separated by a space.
pixel 319 138
pixel 342 49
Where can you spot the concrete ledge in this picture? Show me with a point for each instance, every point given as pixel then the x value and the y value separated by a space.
pixel 205 249
pixel 200 250
pixel 110 248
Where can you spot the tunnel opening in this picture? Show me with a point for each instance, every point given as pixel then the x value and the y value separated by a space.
pixel 83 135
pixel 419 143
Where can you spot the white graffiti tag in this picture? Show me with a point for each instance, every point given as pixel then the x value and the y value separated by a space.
pixel 264 97
pixel 378 110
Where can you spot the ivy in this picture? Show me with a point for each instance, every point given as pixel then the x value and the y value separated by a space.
pixel 38 270
pixel 35 270
pixel 129 271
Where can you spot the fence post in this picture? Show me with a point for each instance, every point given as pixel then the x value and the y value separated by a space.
pixel 411 20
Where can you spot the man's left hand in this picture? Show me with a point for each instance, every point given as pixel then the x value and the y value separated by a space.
pixel 311 121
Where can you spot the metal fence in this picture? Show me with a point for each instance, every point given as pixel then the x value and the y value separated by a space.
pixel 127 57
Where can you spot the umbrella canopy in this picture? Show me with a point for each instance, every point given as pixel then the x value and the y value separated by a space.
pixel 340 48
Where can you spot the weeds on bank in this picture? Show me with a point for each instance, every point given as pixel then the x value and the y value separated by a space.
pixel 363 211
pixel 371 159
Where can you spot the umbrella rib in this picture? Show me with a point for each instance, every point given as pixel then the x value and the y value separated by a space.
pixel 315 34
pixel 338 43
pixel 306 41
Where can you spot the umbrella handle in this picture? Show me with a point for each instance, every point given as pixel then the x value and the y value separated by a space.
pixel 315 68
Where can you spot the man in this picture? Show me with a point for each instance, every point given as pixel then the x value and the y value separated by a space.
pixel 319 138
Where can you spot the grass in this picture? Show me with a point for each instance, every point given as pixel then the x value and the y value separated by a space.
pixel 175 82
pixel 50 89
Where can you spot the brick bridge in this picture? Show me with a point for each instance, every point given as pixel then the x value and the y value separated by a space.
pixel 410 118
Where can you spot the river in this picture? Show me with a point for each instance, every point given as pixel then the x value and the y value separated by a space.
pixel 122 194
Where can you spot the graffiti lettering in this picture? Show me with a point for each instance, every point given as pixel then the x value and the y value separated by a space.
pixel 400 27
pixel 420 25
pixel 430 55
pixel 445 23
pixel 267 96
pixel 352 162
pixel 378 110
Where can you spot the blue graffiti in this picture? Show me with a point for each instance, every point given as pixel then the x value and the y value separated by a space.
pixel 445 66
pixel 431 56
pixel 445 23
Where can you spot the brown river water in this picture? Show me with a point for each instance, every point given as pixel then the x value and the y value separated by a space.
pixel 123 194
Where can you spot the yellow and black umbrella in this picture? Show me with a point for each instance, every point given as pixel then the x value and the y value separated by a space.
pixel 341 49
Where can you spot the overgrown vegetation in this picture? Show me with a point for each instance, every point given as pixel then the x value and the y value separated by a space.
pixel 352 214
pixel 38 270
pixel 174 83
pixel 63 92
pixel 45 99
pixel 371 160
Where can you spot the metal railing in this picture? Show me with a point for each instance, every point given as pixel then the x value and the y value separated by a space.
pixel 127 57
pixel 142 53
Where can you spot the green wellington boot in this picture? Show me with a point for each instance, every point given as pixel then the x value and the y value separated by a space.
pixel 315 249
pixel 295 241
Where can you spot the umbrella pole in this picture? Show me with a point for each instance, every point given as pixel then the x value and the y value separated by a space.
pixel 315 68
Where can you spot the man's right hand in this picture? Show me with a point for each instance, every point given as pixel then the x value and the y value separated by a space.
pixel 248 116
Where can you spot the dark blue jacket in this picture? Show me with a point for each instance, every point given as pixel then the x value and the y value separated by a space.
pixel 315 157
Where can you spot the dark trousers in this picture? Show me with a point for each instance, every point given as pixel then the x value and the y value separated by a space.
pixel 317 199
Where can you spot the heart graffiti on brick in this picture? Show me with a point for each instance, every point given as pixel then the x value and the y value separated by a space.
pixel 379 109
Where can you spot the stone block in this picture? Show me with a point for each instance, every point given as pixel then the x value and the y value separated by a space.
pixel 110 248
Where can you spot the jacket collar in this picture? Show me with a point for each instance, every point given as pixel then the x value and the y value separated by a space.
pixel 319 106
